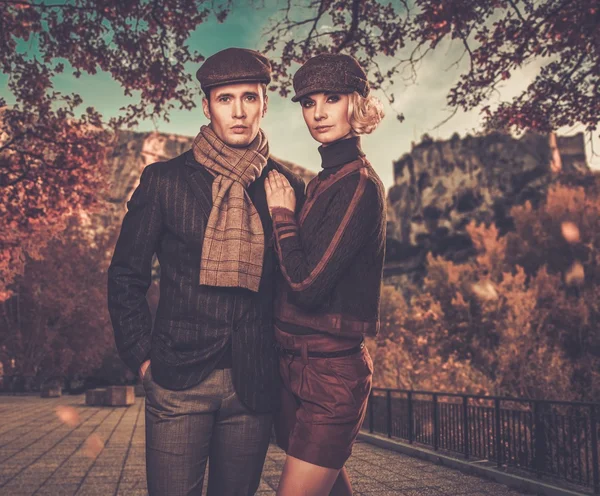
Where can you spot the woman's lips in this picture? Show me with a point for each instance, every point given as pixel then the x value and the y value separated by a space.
pixel 323 129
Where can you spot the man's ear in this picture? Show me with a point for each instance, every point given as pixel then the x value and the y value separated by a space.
pixel 265 105
pixel 206 108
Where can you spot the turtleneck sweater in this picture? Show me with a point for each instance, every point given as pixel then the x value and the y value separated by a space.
pixel 339 153
pixel 331 254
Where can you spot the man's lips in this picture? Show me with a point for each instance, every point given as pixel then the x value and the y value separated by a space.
pixel 239 127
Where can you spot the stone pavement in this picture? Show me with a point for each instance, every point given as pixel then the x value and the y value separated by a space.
pixel 40 455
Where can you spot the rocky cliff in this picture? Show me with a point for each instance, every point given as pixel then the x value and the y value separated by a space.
pixel 440 186
pixel 133 151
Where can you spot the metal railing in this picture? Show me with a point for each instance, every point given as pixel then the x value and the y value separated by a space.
pixel 549 438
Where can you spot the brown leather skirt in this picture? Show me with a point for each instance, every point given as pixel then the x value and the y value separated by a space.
pixel 324 400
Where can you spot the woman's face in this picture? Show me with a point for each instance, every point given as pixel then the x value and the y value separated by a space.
pixel 326 115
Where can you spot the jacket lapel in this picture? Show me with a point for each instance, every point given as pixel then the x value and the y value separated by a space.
pixel 200 181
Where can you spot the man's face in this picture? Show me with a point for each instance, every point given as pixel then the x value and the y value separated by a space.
pixel 235 112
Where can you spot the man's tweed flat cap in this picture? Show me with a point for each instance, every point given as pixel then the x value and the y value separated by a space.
pixel 234 65
pixel 338 73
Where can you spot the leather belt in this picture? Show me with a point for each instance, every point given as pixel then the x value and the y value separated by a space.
pixel 321 354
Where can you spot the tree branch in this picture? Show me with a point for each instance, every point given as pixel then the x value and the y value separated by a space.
pixel 353 26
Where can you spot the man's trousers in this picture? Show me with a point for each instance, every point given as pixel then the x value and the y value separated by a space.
pixel 208 421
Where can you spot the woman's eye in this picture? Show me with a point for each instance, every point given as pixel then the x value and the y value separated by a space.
pixel 333 99
pixel 307 104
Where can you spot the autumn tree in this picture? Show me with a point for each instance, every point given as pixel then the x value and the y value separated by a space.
pixel 51 153
pixel 410 351
pixel 520 319
pixel 567 239
pixel 494 37
pixel 56 324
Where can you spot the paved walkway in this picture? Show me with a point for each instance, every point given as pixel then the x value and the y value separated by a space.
pixel 103 455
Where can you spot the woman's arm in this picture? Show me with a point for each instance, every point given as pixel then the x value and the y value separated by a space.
pixel 312 261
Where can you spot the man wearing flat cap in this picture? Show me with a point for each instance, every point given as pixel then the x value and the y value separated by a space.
pixel 208 363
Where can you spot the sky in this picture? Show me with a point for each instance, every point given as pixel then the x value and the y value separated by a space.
pixel 422 103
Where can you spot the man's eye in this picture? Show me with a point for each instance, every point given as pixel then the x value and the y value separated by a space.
pixel 224 99
pixel 251 98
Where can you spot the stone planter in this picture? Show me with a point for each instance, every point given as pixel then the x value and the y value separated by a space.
pixel 120 395
pixel 95 397
pixel 50 391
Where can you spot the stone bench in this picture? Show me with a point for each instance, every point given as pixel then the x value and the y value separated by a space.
pixel 50 391
pixel 120 396
pixel 95 397
pixel 110 396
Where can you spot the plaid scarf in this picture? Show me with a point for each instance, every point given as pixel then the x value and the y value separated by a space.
pixel 234 244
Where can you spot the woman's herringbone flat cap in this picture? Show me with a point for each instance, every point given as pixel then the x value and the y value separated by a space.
pixel 336 73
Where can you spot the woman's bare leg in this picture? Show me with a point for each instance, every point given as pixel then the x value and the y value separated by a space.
pixel 342 486
pixel 300 478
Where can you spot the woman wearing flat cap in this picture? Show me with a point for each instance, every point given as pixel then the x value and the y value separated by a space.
pixel 331 258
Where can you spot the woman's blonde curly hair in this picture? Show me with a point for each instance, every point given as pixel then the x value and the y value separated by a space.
pixel 364 113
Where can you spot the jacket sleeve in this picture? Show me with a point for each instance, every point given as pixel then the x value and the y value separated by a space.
pixel 312 262
pixel 299 188
pixel 130 272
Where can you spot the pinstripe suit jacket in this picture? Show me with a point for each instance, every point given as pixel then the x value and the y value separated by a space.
pixel 167 215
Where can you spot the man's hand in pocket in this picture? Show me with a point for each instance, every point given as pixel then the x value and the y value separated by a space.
pixel 143 368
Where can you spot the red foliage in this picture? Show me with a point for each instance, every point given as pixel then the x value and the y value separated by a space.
pixel 496 36
pixel 56 323
pixel 52 158
pixel 512 321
